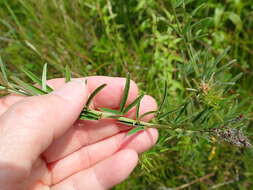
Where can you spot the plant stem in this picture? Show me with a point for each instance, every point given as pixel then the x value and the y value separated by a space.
pixel 131 122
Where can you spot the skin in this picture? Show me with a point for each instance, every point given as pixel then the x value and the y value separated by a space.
pixel 44 147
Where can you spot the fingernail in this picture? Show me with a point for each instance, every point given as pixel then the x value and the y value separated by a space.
pixel 72 91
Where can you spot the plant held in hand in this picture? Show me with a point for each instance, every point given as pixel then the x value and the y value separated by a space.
pixel 17 86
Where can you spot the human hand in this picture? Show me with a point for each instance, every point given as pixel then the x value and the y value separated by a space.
pixel 43 147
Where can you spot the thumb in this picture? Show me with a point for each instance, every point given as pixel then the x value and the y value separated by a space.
pixel 31 125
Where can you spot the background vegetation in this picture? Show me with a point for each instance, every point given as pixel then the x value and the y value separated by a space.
pixel 204 49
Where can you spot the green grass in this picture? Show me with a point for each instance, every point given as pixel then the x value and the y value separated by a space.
pixel 181 42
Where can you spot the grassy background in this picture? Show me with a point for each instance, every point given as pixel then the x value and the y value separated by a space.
pixel 154 40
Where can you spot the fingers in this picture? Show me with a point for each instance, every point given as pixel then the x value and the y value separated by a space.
pixel 111 95
pixel 81 134
pixel 88 132
pixel 7 101
pixel 140 141
pixel 104 175
pixel 29 126
pixel 147 104
pixel 88 156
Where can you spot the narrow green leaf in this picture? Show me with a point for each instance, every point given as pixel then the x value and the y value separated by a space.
pixel 89 113
pixel 201 21
pixel 226 66
pixel 164 96
pixel 198 37
pixel 3 70
pixel 13 90
pixel 67 74
pixel 90 116
pixel 137 112
pixel 116 112
pixel 44 78
pixel 32 90
pixel 16 89
pixel 18 92
pixel 198 8
pixel 187 27
pixel 167 113
pixel 200 114
pixel 221 56
pixel 237 77
pixel 94 93
pixel 82 117
pixel 135 130
pixel 2 87
pixel 32 76
pixel 147 113
pixel 173 28
pixel 12 14
pixel 125 94
pixel 135 102
pixel 35 79
pixel 181 111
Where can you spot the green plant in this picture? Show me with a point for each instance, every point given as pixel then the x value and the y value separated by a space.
pixel 17 86
pixel 151 39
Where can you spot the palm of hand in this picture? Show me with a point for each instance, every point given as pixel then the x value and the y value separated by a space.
pixel 90 154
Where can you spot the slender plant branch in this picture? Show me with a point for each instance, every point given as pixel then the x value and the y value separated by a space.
pixel 15 85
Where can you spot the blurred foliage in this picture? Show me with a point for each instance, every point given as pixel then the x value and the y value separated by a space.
pixel 191 44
